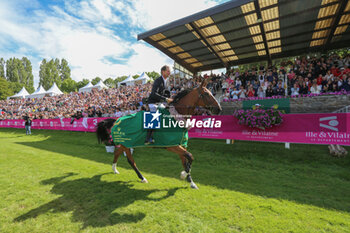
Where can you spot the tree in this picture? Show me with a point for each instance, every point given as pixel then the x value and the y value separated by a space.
pixel 64 70
pixel 28 80
pixel 11 70
pixel 68 85
pixel 82 83
pixel 120 79
pixel 135 76
pixel 15 87
pixel 95 80
pixel 49 73
pixel 20 71
pixel 153 75
pixel 5 90
pixel 2 68
pixel 109 82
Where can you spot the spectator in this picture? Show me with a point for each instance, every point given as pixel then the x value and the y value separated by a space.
pixel 315 89
pixel 269 91
pixel 280 90
pixel 295 89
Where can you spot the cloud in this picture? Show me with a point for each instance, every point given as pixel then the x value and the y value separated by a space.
pixel 155 13
pixel 97 37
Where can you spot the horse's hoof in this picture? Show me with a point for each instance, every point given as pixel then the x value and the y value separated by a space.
pixel 144 180
pixel 114 168
pixel 183 175
pixel 116 171
pixel 193 185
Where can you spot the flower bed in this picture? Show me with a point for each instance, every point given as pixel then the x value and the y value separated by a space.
pixel 259 118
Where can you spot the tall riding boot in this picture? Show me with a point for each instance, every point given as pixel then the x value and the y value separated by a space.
pixel 149 138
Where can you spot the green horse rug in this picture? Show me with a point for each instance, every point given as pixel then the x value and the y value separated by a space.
pixel 129 131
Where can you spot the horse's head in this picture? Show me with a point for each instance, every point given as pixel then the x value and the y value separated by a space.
pixel 206 99
pixel 103 130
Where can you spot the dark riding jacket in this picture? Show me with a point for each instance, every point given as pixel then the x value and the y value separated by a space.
pixel 158 90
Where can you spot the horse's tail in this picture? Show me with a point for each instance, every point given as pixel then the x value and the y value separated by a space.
pixel 103 130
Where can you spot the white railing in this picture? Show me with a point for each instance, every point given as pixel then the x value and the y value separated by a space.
pixel 343 110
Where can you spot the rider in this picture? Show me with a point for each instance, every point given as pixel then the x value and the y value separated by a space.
pixel 157 96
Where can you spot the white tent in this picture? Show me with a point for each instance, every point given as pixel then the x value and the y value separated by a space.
pixel 86 88
pixel 23 93
pixel 54 90
pixel 100 85
pixel 144 78
pixel 39 93
pixel 129 81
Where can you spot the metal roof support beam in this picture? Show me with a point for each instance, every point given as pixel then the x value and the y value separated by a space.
pixel 249 45
pixel 297 52
pixel 195 28
pixel 335 23
pixel 262 29
pixel 171 55
pixel 239 16
pixel 289 44
pixel 281 38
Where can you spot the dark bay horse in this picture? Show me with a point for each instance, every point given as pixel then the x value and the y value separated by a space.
pixel 184 103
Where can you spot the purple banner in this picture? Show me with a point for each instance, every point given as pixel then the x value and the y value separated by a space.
pixel 296 128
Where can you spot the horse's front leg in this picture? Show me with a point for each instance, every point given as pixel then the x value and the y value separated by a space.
pixel 117 153
pixel 132 163
pixel 186 159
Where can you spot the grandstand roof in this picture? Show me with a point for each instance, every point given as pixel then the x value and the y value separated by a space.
pixel 245 31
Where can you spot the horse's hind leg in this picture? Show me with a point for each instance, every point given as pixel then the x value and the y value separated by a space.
pixel 117 153
pixel 132 163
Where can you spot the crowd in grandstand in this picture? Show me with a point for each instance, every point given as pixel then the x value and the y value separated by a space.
pixel 300 77
pixel 112 102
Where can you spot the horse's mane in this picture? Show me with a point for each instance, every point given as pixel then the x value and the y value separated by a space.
pixel 181 94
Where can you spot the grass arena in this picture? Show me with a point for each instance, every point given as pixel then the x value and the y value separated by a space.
pixel 60 181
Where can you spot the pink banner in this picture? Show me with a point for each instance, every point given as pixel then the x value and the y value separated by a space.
pixel 83 124
pixel 296 128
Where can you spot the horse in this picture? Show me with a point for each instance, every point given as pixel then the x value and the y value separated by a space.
pixel 184 103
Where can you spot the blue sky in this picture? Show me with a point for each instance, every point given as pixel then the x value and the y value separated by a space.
pixel 96 37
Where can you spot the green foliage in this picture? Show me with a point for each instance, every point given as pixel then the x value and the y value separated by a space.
pixel 15 87
pixel 135 76
pixel 5 89
pixel 68 85
pixel 64 70
pixel 153 75
pixel 53 71
pixel 64 183
pixel 109 82
pixel 95 80
pixel 2 68
pixel 82 83
pixel 19 71
pixel 120 79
